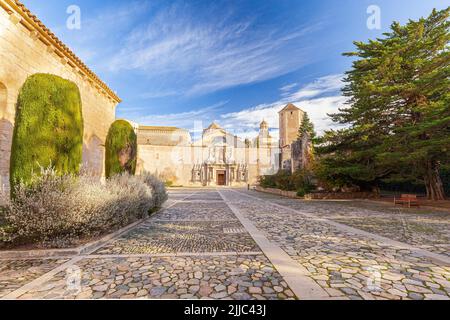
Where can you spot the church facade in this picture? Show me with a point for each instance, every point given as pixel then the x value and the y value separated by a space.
pixel 217 158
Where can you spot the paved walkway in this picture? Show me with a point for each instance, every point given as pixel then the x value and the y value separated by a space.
pixel 236 244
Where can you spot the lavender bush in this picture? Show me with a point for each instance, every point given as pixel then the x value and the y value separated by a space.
pixel 158 187
pixel 57 210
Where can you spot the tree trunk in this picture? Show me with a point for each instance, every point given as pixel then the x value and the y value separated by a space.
pixel 433 183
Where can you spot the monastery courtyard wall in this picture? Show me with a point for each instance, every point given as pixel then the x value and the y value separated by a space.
pixel 26 48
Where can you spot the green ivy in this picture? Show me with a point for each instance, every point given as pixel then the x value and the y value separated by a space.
pixel 48 128
pixel 121 149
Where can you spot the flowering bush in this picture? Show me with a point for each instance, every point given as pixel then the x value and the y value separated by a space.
pixel 158 189
pixel 57 210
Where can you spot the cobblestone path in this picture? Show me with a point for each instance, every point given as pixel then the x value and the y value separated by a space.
pixel 348 263
pixel 236 244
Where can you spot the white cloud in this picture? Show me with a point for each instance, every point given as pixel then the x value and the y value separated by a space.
pixel 99 30
pixel 318 99
pixel 158 94
pixel 321 86
pixel 288 87
pixel 186 120
pixel 209 54
pixel 309 98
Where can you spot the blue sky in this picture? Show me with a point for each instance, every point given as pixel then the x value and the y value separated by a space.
pixel 234 62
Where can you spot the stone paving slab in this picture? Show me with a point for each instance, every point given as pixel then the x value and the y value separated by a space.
pixel 173 237
pixel 216 277
pixel 208 195
pixel 178 195
pixel 423 228
pixel 197 211
pixel 348 264
pixel 16 273
pixel 198 249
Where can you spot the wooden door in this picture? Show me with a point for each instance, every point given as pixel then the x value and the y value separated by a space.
pixel 221 179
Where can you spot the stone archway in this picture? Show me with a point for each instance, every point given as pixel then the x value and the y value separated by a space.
pixel 6 133
pixel 93 156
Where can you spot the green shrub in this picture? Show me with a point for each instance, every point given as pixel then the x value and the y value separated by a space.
pixel 121 149
pixel 301 192
pixel 267 181
pixel 300 180
pixel 48 128
pixel 168 183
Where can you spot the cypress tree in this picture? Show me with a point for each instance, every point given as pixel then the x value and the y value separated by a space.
pixel 48 128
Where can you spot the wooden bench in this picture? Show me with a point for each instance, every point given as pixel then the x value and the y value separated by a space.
pixel 407 199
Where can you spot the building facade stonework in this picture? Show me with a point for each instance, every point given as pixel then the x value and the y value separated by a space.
pixel 27 47
pixel 217 158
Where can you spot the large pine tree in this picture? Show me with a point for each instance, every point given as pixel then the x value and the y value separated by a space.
pixel 398 113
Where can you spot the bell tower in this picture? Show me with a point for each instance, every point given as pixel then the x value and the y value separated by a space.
pixel 291 118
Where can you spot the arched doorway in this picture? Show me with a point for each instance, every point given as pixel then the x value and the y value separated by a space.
pixel 6 132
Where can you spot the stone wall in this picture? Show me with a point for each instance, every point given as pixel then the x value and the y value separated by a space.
pixel 279 192
pixel 27 48
pixel 301 154
pixel 175 163
pixel 321 195
pixel 341 195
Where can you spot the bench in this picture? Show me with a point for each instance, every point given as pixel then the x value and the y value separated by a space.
pixel 407 199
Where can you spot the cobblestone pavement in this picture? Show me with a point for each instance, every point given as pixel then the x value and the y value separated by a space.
pixel 197 211
pixel 216 277
pixel 173 237
pixel 195 249
pixel 201 246
pixel 16 273
pixel 425 228
pixel 343 263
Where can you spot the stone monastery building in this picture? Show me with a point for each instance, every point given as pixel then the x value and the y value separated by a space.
pixel 218 158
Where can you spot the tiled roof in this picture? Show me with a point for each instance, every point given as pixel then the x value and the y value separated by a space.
pixel 159 128
pixel 31 22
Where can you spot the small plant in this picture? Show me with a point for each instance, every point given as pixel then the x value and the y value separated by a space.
pixel 301 192
pixel 168 183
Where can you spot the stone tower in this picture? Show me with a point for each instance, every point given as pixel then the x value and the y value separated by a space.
pixel 264 138
pixel 291 118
